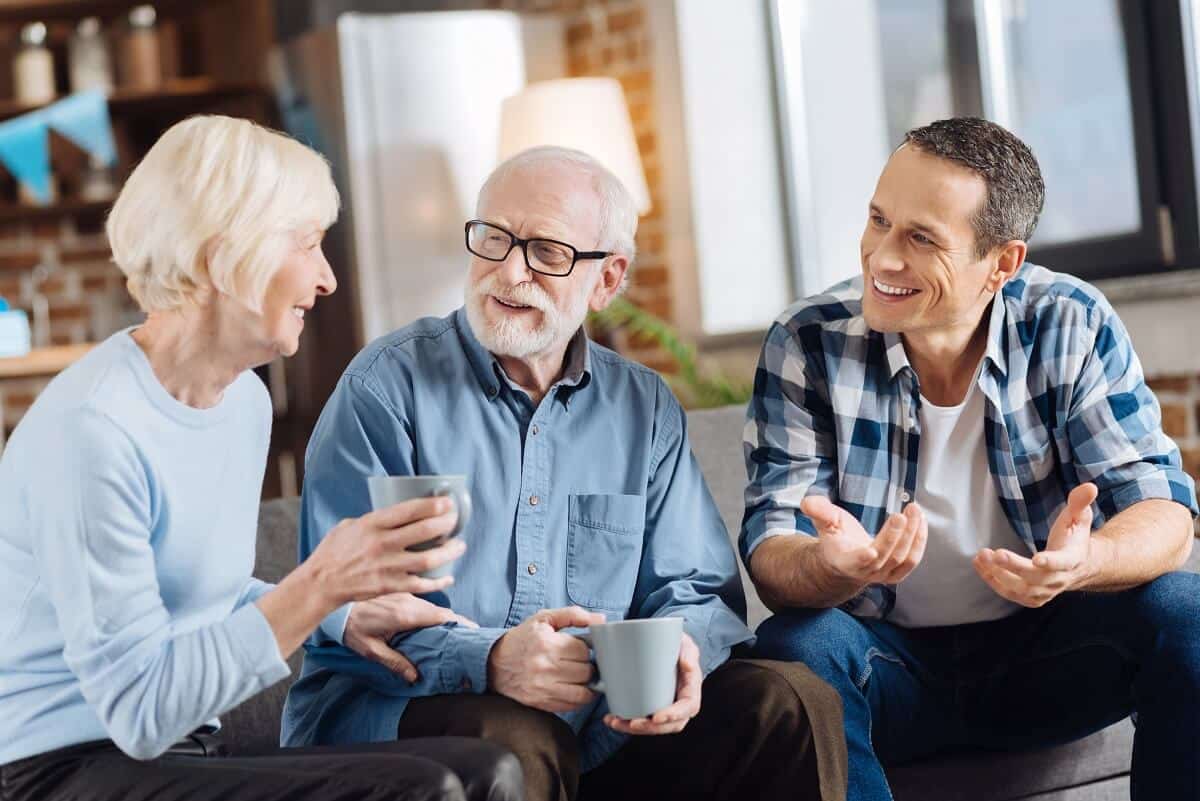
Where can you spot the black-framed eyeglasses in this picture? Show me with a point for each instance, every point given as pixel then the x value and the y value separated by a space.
pixel 545 256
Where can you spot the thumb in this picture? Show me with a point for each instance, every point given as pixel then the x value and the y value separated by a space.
pixel 822 511
pixel 1080 499
pixel 571 616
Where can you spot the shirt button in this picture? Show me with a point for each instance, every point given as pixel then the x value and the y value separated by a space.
pixel 904 496
pixel 534 430
pixel 533 500
pixel 532 569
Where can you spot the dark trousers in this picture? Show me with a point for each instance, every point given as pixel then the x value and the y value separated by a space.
pixel 766 730
pixel 1039 677
pixel 434 769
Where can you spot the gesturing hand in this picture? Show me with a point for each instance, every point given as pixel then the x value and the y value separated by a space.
pixel 687 699
pixel 1035 582
pixel 849 552
pixel 539 666
pixel 372 624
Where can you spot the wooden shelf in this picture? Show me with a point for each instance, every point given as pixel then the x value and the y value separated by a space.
pixel 178 95
pixel 43 361
pixel 44 10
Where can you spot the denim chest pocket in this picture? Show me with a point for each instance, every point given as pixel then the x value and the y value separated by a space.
pixel 604 549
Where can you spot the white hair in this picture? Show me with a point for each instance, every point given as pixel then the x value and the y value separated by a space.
pixel 618 213
pixel 215 203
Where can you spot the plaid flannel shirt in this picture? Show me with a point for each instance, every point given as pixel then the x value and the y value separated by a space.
pixel 835 408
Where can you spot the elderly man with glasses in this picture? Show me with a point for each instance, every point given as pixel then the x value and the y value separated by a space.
pixel 589 506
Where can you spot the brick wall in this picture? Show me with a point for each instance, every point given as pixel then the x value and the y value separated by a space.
pixel 1180 399
pixel 85 292
pixel 611 38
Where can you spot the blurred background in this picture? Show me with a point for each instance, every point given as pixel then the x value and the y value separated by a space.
pixel 751 133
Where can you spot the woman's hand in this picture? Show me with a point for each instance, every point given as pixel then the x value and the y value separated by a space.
pixel 372 624
pixel 365 557
pixel 361 559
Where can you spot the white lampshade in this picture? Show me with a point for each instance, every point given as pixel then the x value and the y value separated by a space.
pixel 587 114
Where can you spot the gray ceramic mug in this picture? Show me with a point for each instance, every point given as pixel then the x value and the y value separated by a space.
pixel 389 490
pixel 636 660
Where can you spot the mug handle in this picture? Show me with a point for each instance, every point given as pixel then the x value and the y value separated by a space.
pixel 595 685
pixel 462 504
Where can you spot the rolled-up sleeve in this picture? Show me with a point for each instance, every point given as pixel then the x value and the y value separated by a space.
pixel 1114 424
pixel 789 441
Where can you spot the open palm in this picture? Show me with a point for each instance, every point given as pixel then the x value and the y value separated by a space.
pixel 849 551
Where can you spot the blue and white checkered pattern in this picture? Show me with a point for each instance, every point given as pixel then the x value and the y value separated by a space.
pixel 835 412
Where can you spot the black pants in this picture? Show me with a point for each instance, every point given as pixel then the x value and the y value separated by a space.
pixel 766 731
pixel 430 769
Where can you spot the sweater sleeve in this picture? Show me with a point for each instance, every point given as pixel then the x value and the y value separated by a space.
pixel 93 516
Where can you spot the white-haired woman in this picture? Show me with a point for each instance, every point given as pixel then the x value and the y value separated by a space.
pixel 128 509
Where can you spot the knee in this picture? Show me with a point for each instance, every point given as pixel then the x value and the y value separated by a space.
pixel 524 729
pixel 823 639
pixel 498 775
pixel 1171 603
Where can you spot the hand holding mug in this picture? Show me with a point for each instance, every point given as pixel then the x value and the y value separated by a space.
pixel 541 667
pixel 675 717
pixel 365 557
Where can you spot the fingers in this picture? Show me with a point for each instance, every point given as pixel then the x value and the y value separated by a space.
pixel 404 581
pixel 823 512
pixel 424 561
pixel 564 696
pixel 1056 560
pixel 893 537
pixel 644 727
pixel 901 545
pixel 430 528
pixel 1012 587
pixel 393 660
pixel 569 617
pixel 406 512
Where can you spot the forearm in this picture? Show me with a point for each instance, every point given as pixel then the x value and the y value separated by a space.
pixel 295 607
pixel 788 572
pixel 1140 544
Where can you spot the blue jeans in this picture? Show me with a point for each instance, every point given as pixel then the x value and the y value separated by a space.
pixel 1040 677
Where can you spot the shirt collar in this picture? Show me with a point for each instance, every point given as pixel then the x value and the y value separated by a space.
pixel 577 364
pixel 897 358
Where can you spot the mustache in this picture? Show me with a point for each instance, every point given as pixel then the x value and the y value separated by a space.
pixel 526 294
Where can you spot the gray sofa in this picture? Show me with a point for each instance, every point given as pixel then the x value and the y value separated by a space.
pixel 1093 769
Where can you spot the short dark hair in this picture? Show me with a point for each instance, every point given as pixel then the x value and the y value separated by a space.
pixel 1015 190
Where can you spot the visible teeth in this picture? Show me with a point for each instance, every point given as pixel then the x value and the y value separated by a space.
pixel 892 290
pixel 512 305
pixel 299 312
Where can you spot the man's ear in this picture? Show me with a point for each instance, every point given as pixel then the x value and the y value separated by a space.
pixel 1009 258
pixel 612 274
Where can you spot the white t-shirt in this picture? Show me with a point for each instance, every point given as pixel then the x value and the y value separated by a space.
pixel 956 490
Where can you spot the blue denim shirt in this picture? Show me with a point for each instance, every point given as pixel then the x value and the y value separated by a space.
pixel 591 497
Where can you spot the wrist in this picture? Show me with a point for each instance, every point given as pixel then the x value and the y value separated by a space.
pixel 1094 566
pixel 316 585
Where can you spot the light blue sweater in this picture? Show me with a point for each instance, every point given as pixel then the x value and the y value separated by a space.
pixel 127 533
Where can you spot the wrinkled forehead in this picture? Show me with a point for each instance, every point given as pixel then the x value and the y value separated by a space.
pixel 558 201
pixel 915 184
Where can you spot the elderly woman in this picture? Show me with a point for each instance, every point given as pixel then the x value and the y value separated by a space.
pixel 129 498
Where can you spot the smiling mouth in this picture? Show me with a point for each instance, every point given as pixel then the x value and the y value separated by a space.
pixel 508 304
pixel 893 291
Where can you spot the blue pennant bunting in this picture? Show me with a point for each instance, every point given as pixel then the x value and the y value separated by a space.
pixel 83 118
pixel 25 151
pixel 25 146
